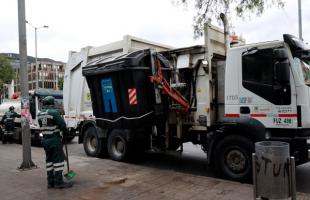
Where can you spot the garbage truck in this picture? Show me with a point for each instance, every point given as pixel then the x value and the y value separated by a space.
pixel 222 97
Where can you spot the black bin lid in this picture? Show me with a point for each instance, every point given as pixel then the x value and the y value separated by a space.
pixel 131 61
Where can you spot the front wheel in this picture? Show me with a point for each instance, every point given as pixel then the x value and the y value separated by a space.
pixel 233 158
pixel 93 145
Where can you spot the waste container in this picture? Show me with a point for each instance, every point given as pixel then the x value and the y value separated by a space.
pixel 122 93
pixel 272 167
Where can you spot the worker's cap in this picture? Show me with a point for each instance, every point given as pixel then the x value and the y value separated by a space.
pixel 48 100
pixel 11 108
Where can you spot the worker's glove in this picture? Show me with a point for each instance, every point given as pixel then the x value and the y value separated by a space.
pixel 61 135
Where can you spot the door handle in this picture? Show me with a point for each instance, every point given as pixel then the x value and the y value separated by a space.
pixel 245 110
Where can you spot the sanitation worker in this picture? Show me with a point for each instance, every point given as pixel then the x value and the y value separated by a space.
pixel 51 124
pixel 9 124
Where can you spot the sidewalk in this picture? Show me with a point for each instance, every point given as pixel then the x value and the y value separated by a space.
pixel 106 179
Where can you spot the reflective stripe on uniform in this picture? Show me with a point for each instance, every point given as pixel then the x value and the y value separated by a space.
pixel 49 168
pixel 50 132
pixel 49 164
pixel 58 169
pixel 45 115
pixel 49 128
pixel 59 164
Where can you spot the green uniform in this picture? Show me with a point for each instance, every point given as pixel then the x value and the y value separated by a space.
pixel 51 123
pixel 9 124
pixel 8 119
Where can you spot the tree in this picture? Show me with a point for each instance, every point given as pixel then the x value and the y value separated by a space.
pixel 207 9
pixel 6 71
pixel 60 83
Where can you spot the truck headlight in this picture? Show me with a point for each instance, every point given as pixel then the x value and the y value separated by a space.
pixel 41 135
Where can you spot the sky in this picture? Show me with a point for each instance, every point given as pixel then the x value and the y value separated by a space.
pixel 74 24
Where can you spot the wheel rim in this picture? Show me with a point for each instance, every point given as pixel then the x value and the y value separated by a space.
pixel 92 143
pixel 236 161
pixel 118 146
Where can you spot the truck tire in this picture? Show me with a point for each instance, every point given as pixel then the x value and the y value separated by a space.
pixel 118 147
pixel 93 145
pixel 233 158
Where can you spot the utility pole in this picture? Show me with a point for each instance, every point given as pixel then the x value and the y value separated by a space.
pixel 25 113
pixel 300 19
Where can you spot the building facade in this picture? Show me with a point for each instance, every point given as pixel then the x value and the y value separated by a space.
pixel 50 72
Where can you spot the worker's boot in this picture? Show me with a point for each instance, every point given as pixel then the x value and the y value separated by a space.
pixel 50 179
pixel 59 183
pixel 64 185
pixel 50 186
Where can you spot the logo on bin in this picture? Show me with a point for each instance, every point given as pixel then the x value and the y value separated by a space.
pixel 108 96
pixel 132 96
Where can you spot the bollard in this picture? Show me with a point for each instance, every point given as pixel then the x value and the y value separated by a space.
pixel 273 171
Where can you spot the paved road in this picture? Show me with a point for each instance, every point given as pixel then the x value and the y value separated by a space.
pixel 193 161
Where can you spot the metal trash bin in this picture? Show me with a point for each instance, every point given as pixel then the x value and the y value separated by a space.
pixel 272 170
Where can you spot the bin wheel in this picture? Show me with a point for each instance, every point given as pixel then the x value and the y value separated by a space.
pixel 233 158
pixel 93 145
pixel 118 147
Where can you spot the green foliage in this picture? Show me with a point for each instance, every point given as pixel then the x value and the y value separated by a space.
pixel 207 9
pixel 60 83
pixel 6 71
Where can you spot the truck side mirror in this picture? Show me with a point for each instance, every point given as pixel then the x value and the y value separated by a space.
pixel 280 54
pixel 282 71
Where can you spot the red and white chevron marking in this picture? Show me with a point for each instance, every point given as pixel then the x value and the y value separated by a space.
pixel 132 96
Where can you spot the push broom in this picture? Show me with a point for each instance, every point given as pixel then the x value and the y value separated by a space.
pixel 70 173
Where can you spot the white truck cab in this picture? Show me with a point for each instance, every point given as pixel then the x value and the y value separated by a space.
pixel 268 82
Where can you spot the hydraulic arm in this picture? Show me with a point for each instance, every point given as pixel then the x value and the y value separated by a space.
pixel 166 89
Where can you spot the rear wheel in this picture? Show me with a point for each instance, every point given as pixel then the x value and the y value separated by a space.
pixel 118 147
pixel 233 158
pixel 93 145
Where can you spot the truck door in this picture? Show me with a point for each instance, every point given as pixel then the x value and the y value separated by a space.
pixel 267 89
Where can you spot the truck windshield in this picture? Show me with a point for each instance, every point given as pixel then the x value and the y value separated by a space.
pixel 301 54
pixel 306 72
pixel 298 48
pixel 58 104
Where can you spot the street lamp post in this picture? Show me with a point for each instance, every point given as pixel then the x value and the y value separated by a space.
pixel 36 51
pixel 300 19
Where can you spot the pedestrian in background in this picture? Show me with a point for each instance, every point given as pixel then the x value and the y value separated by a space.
pixel 8 120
